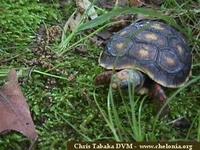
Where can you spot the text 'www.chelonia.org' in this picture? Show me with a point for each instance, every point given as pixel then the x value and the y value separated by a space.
pixel 74 145
pixel 175 146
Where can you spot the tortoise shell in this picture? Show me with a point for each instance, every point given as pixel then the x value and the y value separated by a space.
pixel 153 48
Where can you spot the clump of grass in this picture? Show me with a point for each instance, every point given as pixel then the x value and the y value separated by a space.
pixel 127 126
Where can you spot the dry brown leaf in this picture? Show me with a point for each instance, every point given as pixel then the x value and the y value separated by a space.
pixel 109 4
pixel 72 23
pixel 154 2
pixel 106 4
pixel 121 3
pixel 105 35
pixel 136 3
pixel 14 111
pixel 86 5
pixel 96 40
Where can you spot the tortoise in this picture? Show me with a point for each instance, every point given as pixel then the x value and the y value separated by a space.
pixel 148 53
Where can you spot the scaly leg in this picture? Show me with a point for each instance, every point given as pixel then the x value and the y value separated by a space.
pixel 159 98
pixel 104 78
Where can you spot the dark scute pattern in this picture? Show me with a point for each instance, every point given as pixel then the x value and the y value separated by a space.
pixel 113 50
pixel 169 64
pixel 136 53
pixel 169 61
pixel 127 32
pixel 174 43
pixel 160 41
pixel 111 62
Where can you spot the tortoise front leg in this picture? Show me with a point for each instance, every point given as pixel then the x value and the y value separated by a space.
pixel 104 78
pixel 158 93
pixel 159 98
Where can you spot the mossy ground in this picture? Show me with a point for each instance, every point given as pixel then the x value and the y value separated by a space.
pixel 67 110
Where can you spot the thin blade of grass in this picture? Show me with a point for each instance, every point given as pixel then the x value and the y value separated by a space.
pixel 113 115
pixel 121 11
pixel 50 75
pixel 118 121
pixel 140 131
pixel 134 120
pixel 78 131
pixel 127 113
pixel 198 131
pixel 191 126
pixel 110 124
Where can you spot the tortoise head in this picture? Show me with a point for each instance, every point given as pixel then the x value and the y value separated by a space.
pixel 124 78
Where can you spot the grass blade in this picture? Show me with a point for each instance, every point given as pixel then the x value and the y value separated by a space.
pixel 110 124
pixel 198 131
pixel 121 11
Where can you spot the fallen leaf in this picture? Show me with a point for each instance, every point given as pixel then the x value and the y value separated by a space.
pixel 136 3
pixel 86 5
pixel 105 35
pixel 149 3
pixel 96 40
pixel 154 2
pixel 74 21
pixel 106 4
pixel 121 22
pixel 121 3
pixel 14 111
pixel 71 24
pixel 100 39
pixel 109 4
